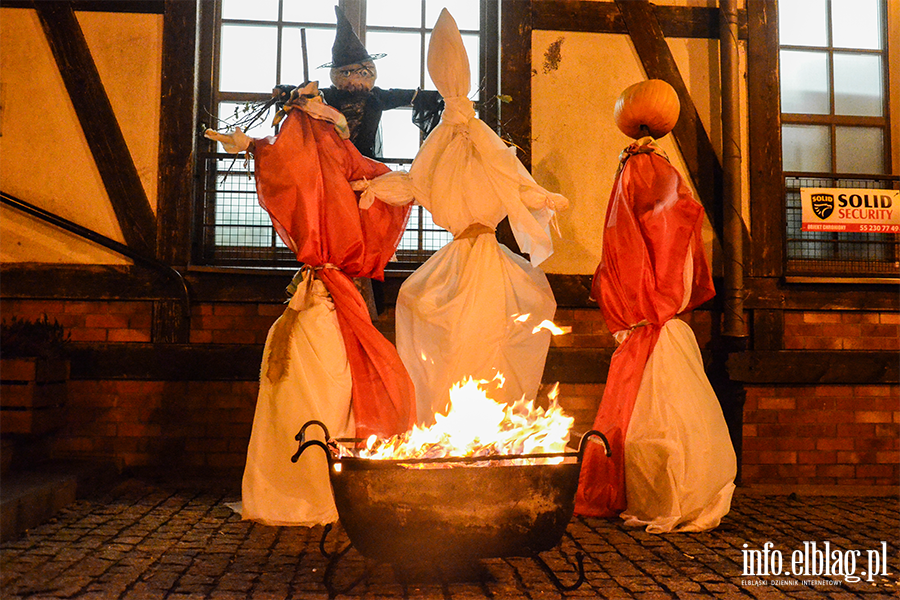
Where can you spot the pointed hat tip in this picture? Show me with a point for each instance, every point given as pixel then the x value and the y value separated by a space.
pixel 444 17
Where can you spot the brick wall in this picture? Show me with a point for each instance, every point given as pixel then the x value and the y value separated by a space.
pixel 822 435
pixel 587 329
pixel 792 434
pixel 159 423
pixel 207 423
pixel 233 323
pixel 826 434
pixel 96 321
pixel 833 330
pixel 193 424
pixel 130 321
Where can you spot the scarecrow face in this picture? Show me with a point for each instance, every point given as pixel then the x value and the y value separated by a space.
pixel 357 77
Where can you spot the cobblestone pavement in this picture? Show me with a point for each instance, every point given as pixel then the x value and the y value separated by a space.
pixel 144 538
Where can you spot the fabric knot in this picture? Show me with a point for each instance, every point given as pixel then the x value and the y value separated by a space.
pixel 623 334
pixel 302 281
pixel 645 145
pixel 458 110
pixel 473 230
pixel 309 100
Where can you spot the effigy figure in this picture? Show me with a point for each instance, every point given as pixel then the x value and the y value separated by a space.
pixel 673 464
pixel 353 92
pixel 474 308
pixel 323 358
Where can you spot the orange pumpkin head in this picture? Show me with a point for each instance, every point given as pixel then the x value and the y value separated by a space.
pixel 652 103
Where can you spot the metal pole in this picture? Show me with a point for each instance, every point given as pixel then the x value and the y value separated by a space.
pixel 304 55
pixel 733 225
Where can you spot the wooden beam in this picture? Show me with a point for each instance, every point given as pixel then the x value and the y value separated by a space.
pixel 33 281
pixel 766 253
pixel 101 282
pixel 692 139
pixel 789 367
pixel 577 365
pixel 515 81
pixel 165 362
pixel 151 7
pixel 490 44
pixel 768 329
pixel 99 124
pixel 604 17
pixel 768 293
pixel 515 77
pixel 240 362
pixel 177 139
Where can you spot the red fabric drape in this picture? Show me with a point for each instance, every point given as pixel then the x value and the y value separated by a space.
pixel 302 178
pixel 651 222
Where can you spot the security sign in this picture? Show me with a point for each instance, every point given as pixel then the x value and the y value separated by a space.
pixel 850 209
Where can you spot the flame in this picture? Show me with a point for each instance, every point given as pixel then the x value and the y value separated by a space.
pixel 553 394
pixel 475 425
pixel 552 327
pixel 547 324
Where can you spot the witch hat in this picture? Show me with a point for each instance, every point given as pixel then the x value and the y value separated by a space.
pixel 347 49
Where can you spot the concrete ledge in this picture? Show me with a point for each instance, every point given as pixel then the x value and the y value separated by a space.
pixel 29 498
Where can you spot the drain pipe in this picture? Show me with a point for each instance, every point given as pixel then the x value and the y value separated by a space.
pixel 734 325
pixel 102 240
pixel 734 338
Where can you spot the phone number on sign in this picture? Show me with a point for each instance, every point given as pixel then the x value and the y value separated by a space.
pixel 880 228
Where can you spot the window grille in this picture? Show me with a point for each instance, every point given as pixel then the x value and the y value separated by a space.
pixel 823 253
pixel 255 46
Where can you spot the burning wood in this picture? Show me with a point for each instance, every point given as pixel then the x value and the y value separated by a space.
pixel 476 426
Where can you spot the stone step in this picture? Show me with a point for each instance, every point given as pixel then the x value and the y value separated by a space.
pixel 32 496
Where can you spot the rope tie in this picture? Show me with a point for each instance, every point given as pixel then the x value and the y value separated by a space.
pixel 473 231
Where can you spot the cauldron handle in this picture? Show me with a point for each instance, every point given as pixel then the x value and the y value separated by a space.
pixel 579 558
pixel 301 437
pixel 582 446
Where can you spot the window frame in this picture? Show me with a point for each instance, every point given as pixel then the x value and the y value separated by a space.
pixel 836 267
pixel 203 250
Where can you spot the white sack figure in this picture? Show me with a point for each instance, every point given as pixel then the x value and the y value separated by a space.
pixel 472 309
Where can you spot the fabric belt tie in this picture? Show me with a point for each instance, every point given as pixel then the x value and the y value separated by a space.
pixel 304 277
pixel 473 231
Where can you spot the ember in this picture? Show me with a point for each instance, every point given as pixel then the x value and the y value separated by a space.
pixel 475 425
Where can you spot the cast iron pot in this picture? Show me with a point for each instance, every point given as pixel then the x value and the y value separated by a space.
pixel 452 510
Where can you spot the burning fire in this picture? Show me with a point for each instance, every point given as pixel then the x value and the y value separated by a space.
pixel 475 425
pixel 550 326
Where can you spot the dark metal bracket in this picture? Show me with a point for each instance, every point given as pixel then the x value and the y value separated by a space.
pixel 335 557
pixel 579 558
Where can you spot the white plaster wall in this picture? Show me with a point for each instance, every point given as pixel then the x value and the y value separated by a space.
pixel 44 158
pixel 576 80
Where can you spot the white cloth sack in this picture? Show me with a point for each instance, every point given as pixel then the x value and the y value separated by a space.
pixel 304 375
pixel 680 464
pixel 455 319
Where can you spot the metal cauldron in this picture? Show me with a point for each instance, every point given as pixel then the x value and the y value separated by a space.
pixel 457 512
